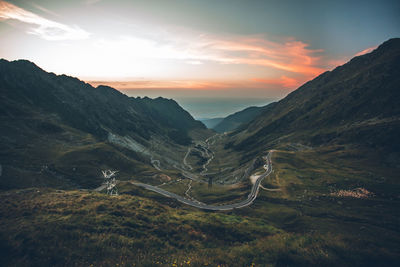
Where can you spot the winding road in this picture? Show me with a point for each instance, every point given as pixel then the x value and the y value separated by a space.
pixel 244 203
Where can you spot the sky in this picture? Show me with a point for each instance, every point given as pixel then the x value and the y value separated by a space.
pixel 213 57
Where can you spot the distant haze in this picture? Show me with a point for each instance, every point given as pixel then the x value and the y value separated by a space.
pixel 208 107
pixel 201 108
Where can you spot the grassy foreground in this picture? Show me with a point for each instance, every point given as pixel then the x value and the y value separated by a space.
pixel 306 223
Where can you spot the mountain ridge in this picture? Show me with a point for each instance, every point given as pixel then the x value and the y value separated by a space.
pixel 58 96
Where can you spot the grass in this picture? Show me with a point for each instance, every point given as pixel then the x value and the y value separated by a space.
pixel 218 194
pixel 42 227
pixel 50 227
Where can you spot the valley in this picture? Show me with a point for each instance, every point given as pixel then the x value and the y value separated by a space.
pixel 195 203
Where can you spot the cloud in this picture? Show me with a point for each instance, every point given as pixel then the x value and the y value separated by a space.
pixel 287 62
pixel 165 84
pixel 194 62
pixel 45 10
pixel 284 81
pixel 92 2
pixel 289 54
pixel 44 28
pixel 365 51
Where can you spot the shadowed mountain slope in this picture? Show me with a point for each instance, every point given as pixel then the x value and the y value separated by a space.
pixel 357 103
pixel 58 126
pixel 94 110
pixel 239 118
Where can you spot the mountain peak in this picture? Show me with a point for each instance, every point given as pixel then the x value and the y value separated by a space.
pixel 19 62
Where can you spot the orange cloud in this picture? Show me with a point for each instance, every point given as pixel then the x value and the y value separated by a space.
pixel 164 84
pixel 365 51
pixel 282 81
pixel 288 55
pixel 292 63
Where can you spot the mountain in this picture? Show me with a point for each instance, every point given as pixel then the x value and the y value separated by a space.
pixel 211 123
pixel 237 119
pixel 58 130
pixel 357 103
